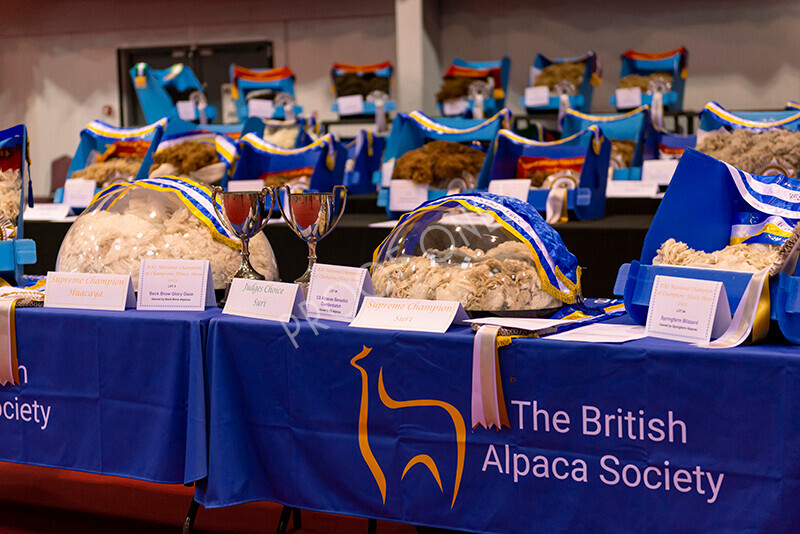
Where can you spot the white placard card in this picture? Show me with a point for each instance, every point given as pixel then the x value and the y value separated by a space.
pixel 406 195
pixel 79 192
pixel 260 107
pixel 350 105
pixel 659 171
pixel 259 299
pixel 631 189
pixel 515 187
pixel 455 106
pixel 89 291
pixel 335 292
pixel 187 110
pixel 245 185
pixel 387 169
pixel 687 309
pixel 175 285
pixel 628 98
pixel 537 97
pixel 409 314
pixel 46 212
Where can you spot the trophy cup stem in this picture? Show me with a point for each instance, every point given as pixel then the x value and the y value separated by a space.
pixel 305 279
pixel 245 266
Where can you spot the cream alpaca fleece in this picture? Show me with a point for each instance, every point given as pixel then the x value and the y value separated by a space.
pixel 149 225
pixel 504 278
pixel 750 150
pixel 10 189
pixel 741 257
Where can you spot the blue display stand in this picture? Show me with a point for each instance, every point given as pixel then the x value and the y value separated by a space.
pixel 588 200
pixel 277 80
pixel 582 101
pixel 702 208
pixel 673 61
pixel 412 130
pixel 497 70
pixel 16 252
pixel 634 125
pixel 153 88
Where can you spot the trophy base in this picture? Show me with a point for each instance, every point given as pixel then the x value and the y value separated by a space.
pixel 221 295
pixel 221 301
pixel 304 281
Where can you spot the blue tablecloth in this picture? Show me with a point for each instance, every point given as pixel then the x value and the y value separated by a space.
pixel 116 393
pixel 646 436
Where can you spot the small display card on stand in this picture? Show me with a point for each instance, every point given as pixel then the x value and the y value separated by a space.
pixel 89 291
pixel 515 187
pixel 175 285
pixel 413 315
pixel 260 299
pixel 335 292
pixel 350 105
pixel 630 97
pixel 406 195
pixel 78 192
pixel 687 309
pixel 536 97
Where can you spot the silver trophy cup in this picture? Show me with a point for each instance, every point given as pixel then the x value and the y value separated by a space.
pixel 244 214
pixel 312 216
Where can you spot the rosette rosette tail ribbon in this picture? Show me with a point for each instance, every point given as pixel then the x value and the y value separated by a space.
pixel 10 298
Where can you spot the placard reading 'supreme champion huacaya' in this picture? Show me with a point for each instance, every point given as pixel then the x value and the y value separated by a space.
pixel 89 291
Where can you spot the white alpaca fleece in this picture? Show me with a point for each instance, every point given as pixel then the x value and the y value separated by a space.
pixel 146 224
pixel 503 278
pixel 741 257
pixel 283 136
pixel 10 188
pixel 750 151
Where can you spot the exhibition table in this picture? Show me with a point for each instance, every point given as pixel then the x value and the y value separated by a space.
pixel 114 393
pixel 645 436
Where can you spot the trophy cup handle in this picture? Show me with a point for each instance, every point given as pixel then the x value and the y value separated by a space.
pixel 216 190
pixel 267 191
pixel 289 218
pixel 340 190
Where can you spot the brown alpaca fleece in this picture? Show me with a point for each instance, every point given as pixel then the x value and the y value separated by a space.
pixel 622 151
pixel 187 157
pixel 350 83
pixel 455 87
pixel 643 82
pixel 438 162
pixel 750 150
pixel 554 74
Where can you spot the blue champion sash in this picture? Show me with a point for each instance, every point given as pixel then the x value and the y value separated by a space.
pixel 325 156
pixel 226 149
pixel 756 227
pixel 713 117
pixel 774 195
pixel 364 155
pixel 194 196
pixel 97 136
pixel 439 129
pixel 557 267
pixel 105 132
pixel 630 125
